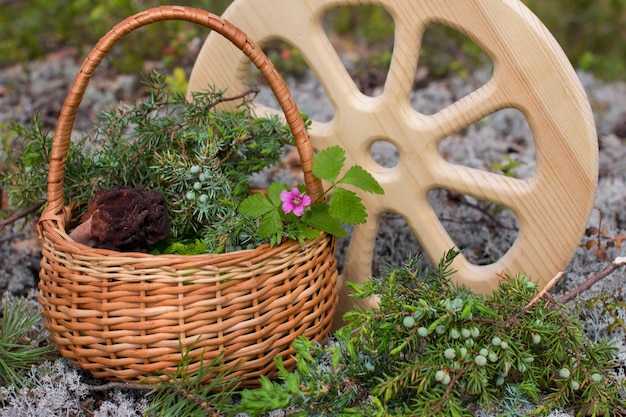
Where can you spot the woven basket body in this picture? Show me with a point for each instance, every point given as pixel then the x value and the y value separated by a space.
pixel 132 316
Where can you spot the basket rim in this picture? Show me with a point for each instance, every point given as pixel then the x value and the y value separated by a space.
pixel 98 266
pixel 55 233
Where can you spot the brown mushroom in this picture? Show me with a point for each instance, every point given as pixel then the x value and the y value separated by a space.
pixel 124 219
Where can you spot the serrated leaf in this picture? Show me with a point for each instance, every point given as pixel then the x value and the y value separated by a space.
pixel 320 218
pixel 271 225
pixel 274 191
pixel 346 207
pixel 328 163
pixel 362 179
pixel 306 232
pixel 255 206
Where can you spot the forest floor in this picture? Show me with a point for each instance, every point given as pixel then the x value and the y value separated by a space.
pixel 41 87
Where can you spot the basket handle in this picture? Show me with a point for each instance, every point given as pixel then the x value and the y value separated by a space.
pixel 62 135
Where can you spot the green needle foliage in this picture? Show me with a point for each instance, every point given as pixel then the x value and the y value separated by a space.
pixel 21 345
pixel 199 157
pixel 193 394
pixel 434 348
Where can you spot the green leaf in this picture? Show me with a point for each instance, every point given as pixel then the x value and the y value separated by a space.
pixel 303 348
pixel 328 163
pixel 346 207
pixel 271 226
pixel 274 192
pixel 320 218
pixel 255 206
pixel 467 310
pixel 362 179
pixel 306 232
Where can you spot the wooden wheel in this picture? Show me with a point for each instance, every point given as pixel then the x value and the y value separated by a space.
pixel 531 74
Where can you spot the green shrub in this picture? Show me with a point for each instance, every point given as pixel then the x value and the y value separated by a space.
pixel 200 159
pixel 590 32
pixel 432 348
pixel 32 28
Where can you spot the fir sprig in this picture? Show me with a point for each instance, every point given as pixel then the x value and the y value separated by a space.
pixel 21 344
pixel 205 392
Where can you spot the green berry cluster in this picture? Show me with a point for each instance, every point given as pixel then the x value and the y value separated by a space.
pixel 198 186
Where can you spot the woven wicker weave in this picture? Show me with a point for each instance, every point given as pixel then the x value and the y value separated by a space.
pixel 126 316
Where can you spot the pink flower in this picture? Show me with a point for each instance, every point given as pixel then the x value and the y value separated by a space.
pixel 294 201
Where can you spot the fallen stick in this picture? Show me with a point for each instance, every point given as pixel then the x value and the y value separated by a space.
pixel 544 290
pixel 613 266
pixel 16 216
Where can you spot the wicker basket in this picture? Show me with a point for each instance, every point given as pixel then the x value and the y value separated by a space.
pixel 131 316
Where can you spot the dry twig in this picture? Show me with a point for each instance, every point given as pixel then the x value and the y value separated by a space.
pixel 543 291
pixel 613 266
pixel 16 216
